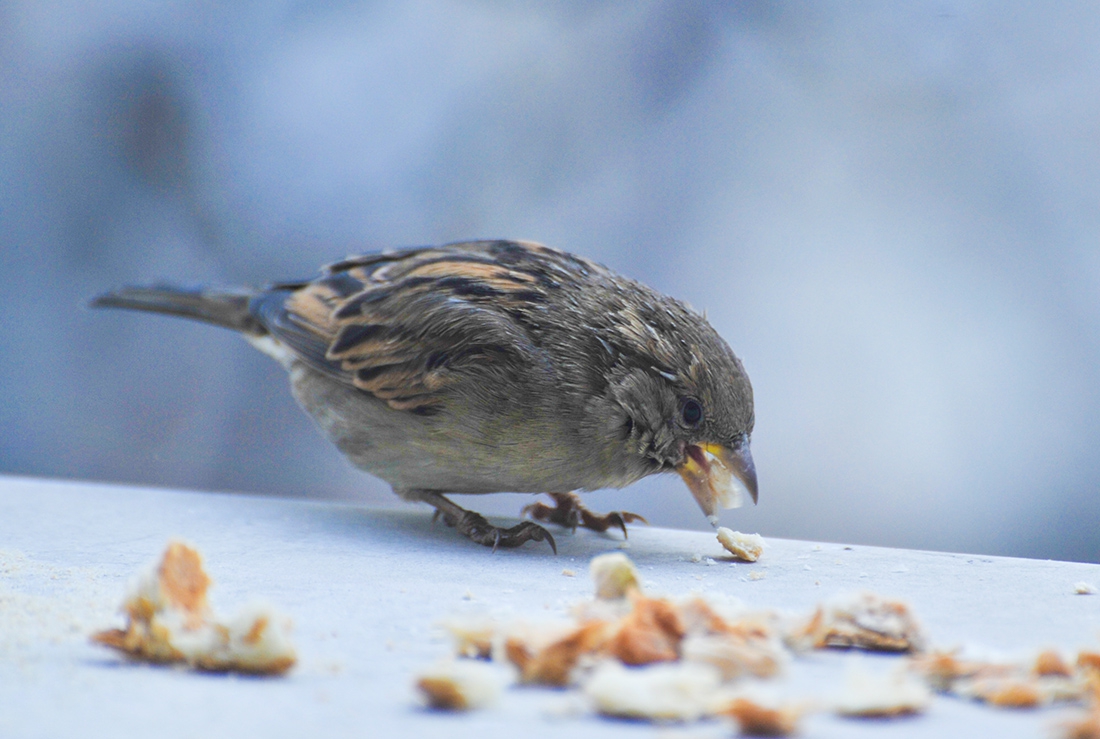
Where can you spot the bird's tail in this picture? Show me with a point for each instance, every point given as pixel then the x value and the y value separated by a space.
pixel 226 308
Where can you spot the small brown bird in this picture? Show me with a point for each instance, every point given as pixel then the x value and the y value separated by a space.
pixel 498 366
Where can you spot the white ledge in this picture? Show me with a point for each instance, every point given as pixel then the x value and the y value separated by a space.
pixel 367 588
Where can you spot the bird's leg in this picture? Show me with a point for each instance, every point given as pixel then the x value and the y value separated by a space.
pixel 474 526
pixel 570 512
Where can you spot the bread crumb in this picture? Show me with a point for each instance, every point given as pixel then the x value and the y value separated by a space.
pixel 472 636
pixel 942 670
pixel 1084 588
pixel 1050 663
pixel 459 685
pixel 1010 692
pixel 881 696
pixel 745 646
pixel 755 719
pixel 665 692
pixel 748 547
pixel 863 621
pixel 757 575
pixel 569 573
pixel 733 657
pixel 169 621
pixel 1088 662
pixel 651 632
pixel 554 663
pixel 614 575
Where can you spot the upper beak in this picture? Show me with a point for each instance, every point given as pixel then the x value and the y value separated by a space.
pixel 718 476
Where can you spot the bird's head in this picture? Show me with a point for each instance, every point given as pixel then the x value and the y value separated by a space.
pixel 688 407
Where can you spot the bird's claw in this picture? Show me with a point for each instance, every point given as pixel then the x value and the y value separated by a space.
pixel 571 513
pixel 476 528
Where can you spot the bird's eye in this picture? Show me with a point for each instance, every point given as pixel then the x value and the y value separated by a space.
pixel 691 412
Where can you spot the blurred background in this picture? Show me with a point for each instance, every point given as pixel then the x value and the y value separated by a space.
pixel 891 212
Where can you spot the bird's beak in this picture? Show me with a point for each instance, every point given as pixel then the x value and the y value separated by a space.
pixel 718 476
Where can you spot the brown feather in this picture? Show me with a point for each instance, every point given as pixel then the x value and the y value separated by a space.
pixel 420 320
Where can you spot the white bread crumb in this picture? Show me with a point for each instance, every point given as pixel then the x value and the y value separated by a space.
pixel 864 621
pixel 661 692
pixel 614 575
pixel 896 693
pixel 460 685
pixel 748 547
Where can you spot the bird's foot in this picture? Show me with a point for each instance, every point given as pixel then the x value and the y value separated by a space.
pixel 476 528
pixel 568 511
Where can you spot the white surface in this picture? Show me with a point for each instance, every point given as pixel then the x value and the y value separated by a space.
pixel 367 588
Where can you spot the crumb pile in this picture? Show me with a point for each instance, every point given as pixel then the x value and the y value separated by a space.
pixel 633 655
pixel 170 621
pixel 642 657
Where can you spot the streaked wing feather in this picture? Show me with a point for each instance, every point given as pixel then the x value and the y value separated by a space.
pixel 405 326
pixel 309 344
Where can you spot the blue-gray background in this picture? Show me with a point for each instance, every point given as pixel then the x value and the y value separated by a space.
pixel 891 211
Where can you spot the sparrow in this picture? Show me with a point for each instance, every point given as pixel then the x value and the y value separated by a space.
pixel 498 366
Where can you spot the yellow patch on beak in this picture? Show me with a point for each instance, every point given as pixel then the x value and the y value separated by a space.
pixel 718 476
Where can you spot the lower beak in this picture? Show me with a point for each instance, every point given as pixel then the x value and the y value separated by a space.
pixel 718 476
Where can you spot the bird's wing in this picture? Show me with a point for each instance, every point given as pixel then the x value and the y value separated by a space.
pixel 407 326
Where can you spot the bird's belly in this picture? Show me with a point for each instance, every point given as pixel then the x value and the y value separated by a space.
pixel 464 456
